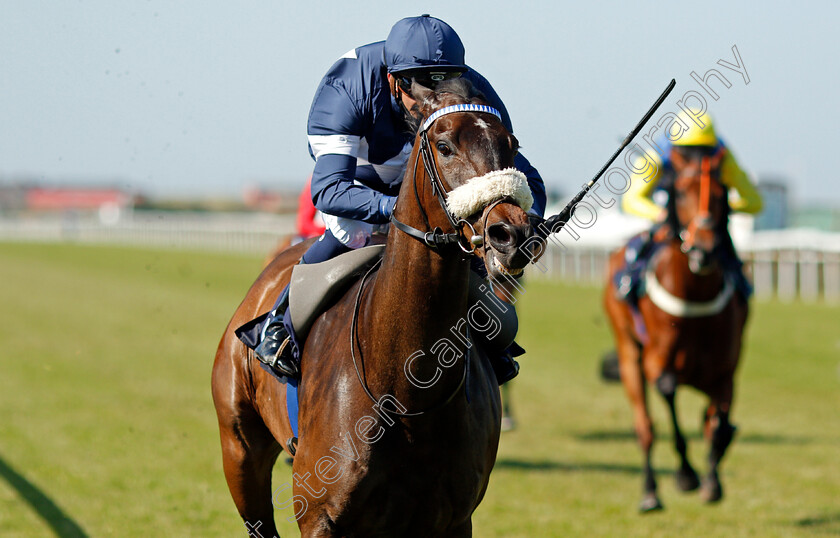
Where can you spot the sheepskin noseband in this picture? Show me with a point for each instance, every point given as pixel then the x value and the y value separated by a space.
pixel 479 192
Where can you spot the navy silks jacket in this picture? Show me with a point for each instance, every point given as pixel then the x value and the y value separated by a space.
pixel 356 132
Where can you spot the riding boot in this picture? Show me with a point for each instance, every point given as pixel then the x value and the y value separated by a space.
pixel 276 348
pixel 504 365
pixel 505 368
pixel 733 265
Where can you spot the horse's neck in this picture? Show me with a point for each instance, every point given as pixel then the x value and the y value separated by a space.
pixel 418 280
pixel 673 272
pixel 419 296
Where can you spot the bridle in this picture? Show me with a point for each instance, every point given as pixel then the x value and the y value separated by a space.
pixel 688 234
pixel 436 238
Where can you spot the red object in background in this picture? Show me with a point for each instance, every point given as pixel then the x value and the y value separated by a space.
pixel 309 221
pixel 63 199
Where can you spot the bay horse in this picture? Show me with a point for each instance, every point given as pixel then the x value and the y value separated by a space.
pixel 391 441
pixel 692 321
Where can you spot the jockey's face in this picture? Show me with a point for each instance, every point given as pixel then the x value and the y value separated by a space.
pixel 400 86
pixel 401 95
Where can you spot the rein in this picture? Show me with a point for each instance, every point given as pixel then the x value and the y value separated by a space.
pixel 436 238
pixel 354 343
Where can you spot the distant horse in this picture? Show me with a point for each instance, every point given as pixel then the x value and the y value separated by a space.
pixel 378 455
pixel 692 321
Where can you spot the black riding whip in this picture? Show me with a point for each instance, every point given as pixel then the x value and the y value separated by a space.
pixel 547 226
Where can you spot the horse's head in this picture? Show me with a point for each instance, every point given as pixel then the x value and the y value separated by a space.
pixel 467 184
pixel 698 204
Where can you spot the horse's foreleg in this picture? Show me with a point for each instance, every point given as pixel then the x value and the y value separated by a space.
pixel 721 434
pixel 634 385
pixel 686 476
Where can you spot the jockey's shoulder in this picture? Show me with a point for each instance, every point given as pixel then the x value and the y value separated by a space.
pixel 359 71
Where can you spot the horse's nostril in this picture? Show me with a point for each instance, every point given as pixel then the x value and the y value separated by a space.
pixel 501 235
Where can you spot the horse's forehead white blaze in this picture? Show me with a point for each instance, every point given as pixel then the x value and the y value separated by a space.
pixel 486 131
pixel 481 124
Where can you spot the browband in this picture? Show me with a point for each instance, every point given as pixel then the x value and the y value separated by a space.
pixel 459 108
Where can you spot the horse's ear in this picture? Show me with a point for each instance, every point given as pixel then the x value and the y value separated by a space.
pixel 425 97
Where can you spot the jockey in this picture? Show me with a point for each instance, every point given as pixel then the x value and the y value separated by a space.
pixel 360 137
pixel 638 199
pixel 647 198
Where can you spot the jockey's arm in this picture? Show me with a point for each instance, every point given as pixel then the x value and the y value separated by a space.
pixel 534 181
pixel 334 127
pixel 748 199
pixel 637 200
pixel 335 193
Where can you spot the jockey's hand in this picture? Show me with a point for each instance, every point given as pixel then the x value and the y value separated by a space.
pixel 663 214
pixel 537 227
pixel 386 206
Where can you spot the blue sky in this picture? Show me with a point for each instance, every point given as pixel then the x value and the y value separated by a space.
pixel 193 98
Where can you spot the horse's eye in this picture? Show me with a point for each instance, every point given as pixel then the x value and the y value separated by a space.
pixel 443 149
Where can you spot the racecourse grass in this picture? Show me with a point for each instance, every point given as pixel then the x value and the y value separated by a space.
pixel 108 427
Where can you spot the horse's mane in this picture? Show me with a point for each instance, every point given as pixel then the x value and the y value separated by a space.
pixel 460 88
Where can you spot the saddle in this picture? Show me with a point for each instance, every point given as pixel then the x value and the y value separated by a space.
pixel 315 287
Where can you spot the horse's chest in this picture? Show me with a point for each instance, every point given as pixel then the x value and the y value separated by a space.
pixel 416 487
pixel 416 495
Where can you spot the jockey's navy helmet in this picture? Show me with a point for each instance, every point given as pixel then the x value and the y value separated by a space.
pixel 424 45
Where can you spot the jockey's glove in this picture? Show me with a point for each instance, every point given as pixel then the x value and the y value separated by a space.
pixel 386 206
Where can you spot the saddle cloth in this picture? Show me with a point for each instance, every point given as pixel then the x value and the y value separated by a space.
pixel 630 283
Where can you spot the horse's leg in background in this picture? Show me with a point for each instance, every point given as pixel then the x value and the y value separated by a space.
pixel 687 479
pixel 508 422
pixel 634 384
pixel 719 432
pixel 629 353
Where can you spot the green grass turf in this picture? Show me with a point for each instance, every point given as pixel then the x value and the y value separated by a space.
pixel 108 427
